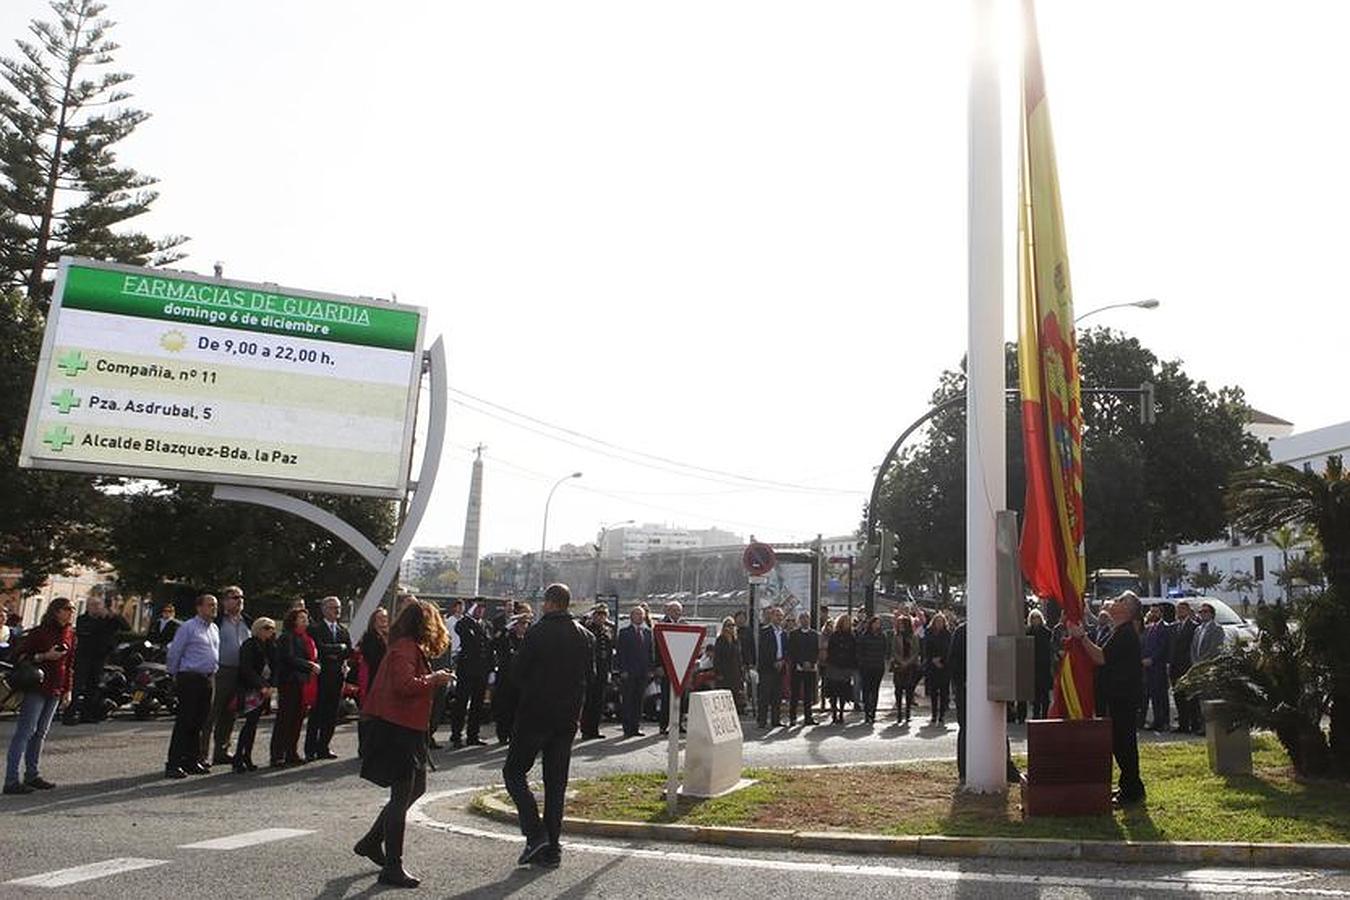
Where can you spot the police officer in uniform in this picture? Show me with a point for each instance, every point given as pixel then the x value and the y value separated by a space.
pixel 603 632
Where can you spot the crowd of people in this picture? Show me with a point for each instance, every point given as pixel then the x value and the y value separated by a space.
pixel 552 679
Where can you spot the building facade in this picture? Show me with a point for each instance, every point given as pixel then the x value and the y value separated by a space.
pixel 1257 556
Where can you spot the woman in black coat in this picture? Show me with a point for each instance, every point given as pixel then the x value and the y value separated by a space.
pixel 936 645
pixel 1044 667
pixel 873 651
pixel 727 663
pixel 841 664
pixel 257 664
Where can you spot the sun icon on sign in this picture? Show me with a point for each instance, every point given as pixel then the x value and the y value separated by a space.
pixel 173 341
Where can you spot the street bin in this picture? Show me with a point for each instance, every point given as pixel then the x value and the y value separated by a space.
pixel 1229 746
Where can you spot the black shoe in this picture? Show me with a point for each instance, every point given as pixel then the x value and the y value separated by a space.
pixel 475 742
pixel 41 784
pixel 550 858
pixel 328 754
pixel 371 847
pixel 239 767
pixel 808 721
pixel 532 849
pixel 15 787
pixel 248 763
pixel 197 768
pixel 456 743
pixel 175 772
pixel 222 759
pixel 393 875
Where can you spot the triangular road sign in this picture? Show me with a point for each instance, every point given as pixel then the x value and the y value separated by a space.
pixel 679 646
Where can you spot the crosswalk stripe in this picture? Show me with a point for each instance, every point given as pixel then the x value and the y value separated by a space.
pixel 64 877
pixel 246 839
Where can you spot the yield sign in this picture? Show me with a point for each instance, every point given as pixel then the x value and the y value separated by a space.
pixel 678 646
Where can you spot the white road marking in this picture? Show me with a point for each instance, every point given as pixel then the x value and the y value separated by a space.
pixel 247 839
pixel 65 877
pixel 1174 885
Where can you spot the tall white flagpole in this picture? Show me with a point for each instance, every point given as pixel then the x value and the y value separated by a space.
pixel 986 450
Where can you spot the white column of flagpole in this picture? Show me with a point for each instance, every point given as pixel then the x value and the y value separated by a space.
pixel 986 724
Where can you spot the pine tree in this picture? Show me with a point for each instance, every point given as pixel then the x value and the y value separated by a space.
pixel 61 188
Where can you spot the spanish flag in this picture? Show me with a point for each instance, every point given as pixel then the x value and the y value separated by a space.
pixel 1052 415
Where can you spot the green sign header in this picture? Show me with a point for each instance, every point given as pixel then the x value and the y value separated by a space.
pixel 149 295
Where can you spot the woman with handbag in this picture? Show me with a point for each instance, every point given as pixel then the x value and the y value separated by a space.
pixel 44 672
pixel 257 666
pixel 394 732
pixel 297 684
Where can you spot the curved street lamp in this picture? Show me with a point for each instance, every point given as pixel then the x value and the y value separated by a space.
pixel 543 542
pixel 1150 303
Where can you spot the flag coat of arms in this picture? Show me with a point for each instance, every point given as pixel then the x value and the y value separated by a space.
pixel 1052 413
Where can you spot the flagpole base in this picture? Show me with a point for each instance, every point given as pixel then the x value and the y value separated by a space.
pixel 1068 768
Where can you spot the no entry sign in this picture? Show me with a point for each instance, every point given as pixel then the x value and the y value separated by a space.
pixel 758 559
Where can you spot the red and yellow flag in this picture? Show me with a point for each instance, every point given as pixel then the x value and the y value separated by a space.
pixel 1052 416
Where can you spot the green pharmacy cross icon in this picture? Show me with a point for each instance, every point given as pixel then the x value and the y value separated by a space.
pixel 57 438
pixel 65 401
pixel 73 363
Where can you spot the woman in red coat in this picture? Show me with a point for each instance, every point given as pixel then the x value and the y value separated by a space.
pixel 394 732
pixel 52 647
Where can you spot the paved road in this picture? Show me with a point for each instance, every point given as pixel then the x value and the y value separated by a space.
pixel 145 837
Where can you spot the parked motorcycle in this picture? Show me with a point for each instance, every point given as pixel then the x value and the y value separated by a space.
pixel 151 685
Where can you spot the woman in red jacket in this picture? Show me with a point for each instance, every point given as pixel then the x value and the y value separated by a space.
pixel 394 732
pixel 52 646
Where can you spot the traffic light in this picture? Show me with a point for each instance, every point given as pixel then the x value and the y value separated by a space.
pixel 887 554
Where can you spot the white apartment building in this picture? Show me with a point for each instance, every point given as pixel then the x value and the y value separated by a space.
pixel 841 545
pixel 424 559
pixel 1307 450
pixel 632 541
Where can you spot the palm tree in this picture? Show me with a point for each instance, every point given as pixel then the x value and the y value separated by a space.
pixel 1269 498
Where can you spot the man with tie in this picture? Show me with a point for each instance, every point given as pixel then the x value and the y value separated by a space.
pixel 772 660
pixel 471 672
pixel 334 644
pixel 633 658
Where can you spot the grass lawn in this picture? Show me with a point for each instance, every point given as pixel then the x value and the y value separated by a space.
pixel 1185 802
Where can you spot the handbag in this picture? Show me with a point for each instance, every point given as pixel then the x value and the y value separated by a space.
pixel 26 676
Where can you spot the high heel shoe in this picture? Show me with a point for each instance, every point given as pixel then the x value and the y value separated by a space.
pixel 372 848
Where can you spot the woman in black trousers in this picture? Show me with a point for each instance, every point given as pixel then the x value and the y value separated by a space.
pixel 257 662
pixel 296 670
pixel 937 643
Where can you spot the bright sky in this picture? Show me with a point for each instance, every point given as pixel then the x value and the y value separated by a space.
pixel 731 234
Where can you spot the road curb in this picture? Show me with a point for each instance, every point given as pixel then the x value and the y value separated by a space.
pixel 1326 856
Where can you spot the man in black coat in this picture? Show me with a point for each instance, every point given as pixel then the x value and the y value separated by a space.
pixel 553 670
pixel 1179 663
pixel 772 662
pixel 162 630
pixel 334 645
pixel 471 672
pixel 96 633
pixel 603 632
pixel 803 647
pixel 1121 680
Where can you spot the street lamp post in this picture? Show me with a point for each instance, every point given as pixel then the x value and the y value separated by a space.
pixel 1150 303
pixel 543 541
pixel 600 549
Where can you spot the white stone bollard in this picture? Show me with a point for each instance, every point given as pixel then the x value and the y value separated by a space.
pixel 713 749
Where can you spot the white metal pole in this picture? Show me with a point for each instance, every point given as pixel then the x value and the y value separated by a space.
pixel 986 725
pixel 672 749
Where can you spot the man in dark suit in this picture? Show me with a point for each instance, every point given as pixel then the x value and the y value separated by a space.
pixel 334 644
pixel 633 659
pixel 803 647
pixel 771 665
pixel 554 668
pixel 603 632
pixel 1179 663
pixel 162 630
pixel 471 672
